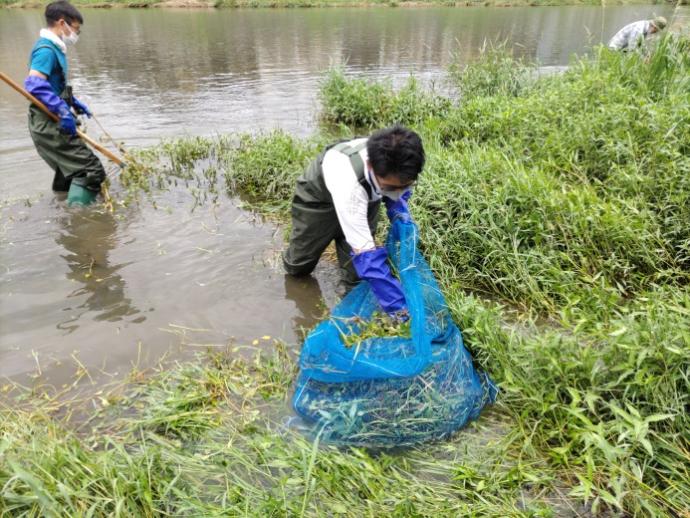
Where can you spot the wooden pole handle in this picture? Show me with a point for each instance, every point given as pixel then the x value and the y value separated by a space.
pixel 54 117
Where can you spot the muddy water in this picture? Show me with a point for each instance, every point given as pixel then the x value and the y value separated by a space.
pixel 113 290
pixel 104 291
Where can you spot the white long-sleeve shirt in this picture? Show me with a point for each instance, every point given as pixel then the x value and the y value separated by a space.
pixel 350 199
pixel 631 36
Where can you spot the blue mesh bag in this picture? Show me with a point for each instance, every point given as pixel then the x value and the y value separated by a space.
pixel 390 391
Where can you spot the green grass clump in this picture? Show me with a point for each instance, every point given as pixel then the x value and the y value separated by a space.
pixel 500 227
pixel 362 104
pixel 494 72
pixel 264 169
pixel 609 197
pixel 607 406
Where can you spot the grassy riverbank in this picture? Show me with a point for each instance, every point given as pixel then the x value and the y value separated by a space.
pixel 207 4
pixel 555 214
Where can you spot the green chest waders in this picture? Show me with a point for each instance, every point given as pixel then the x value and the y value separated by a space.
pixel 314 220
pixel 77 169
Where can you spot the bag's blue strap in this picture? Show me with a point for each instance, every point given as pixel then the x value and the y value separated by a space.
pixel 407 235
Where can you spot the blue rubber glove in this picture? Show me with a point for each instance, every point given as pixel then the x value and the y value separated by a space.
pixel 68 124
pixel 397 209
pixel 80 107
pixel 372 267
pixel 40 88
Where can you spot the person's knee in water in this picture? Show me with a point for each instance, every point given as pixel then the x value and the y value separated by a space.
pixel 77 169
pixel 338 197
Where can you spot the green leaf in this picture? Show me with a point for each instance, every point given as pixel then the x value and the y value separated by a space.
pixel 647 446
pixel 618 332
pixel 37 488
pixel 658 417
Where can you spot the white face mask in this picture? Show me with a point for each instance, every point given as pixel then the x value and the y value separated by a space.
pixel 73 37
pixel 393 195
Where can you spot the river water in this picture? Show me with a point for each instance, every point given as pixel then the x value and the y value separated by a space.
pixel 87 288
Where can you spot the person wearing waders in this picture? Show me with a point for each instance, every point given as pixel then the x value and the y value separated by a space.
pixel 77 170
pixel 632 36
pixel 338 198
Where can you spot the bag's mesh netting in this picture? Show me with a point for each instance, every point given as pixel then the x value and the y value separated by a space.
pixel 391 391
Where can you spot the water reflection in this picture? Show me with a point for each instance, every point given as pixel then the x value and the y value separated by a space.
pixel 190 53
pixel 306 293
pixel 88 238
pixel 164 73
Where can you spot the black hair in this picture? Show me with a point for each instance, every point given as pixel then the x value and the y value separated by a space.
pixel 396 151
pixel 62 10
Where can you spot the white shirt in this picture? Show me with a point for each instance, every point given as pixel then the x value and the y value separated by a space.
pixel 350 199
pixel 630 36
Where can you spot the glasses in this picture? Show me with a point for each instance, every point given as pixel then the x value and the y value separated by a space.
pixel 390 188
pixel 77 30
pixel 387 187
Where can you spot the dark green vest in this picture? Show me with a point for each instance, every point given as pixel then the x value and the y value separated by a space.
pixel 356 162
pixel 311 186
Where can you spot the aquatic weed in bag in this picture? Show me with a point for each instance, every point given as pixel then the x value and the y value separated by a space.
pixel 387 391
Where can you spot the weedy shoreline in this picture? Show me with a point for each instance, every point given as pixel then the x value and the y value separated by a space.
pixel 558 204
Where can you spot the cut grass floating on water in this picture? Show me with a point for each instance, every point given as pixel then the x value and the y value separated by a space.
pixel 192 163
pixel 137 467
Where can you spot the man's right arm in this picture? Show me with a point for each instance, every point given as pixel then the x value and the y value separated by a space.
pixel 351 206
pixel 36 83
pixel 36 73
pixel 350 200
pixel 637 35
pixel 43 61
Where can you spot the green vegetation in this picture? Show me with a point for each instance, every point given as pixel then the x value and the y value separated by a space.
pixel 554 211
pixel 357 103
pixel 356 330
pixel 264 170
pixel 195 441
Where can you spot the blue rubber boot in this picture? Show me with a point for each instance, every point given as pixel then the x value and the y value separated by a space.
pixel 79 196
